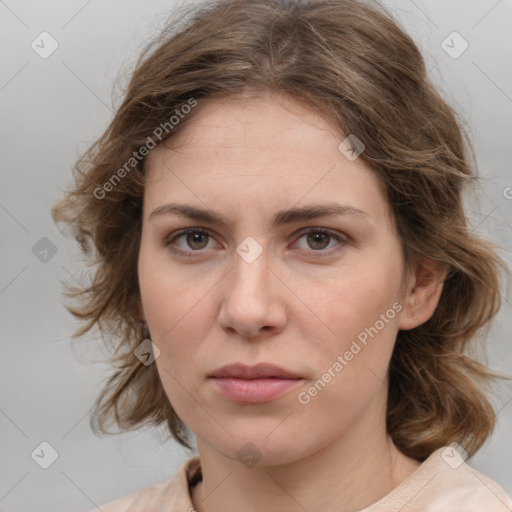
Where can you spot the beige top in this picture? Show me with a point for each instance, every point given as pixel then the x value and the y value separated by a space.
pixel 442 483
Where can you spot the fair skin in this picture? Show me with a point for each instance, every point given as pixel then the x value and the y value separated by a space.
pixel 299 305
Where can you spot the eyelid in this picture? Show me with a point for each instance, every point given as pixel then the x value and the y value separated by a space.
pixel 333 233
pixel 170 239
pixel 341 238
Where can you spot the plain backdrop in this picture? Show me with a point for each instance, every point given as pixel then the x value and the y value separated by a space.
pixel 51 109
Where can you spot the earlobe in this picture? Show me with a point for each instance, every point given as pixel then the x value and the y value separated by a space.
pixel 423 294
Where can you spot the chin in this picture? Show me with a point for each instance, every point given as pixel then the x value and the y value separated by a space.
pixel 262 449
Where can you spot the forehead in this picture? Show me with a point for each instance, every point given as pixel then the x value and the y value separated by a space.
pixel 257 152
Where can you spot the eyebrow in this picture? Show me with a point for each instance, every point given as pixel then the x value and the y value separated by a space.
pixel 282 217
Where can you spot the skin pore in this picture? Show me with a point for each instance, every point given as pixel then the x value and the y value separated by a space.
pixel 299 305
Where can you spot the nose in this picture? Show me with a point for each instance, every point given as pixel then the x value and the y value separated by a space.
pixel 253 300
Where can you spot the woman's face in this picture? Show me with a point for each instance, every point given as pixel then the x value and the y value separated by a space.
pixel 317 296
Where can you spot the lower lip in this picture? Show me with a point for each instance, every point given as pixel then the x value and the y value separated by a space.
pixel 253 391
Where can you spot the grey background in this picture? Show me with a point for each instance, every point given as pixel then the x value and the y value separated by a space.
pixel 51 110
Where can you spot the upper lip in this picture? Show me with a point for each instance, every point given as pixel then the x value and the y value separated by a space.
pixel 258 371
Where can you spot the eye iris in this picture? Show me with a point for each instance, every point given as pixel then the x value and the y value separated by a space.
pixel 314 238
pixel 192 238
pixel 317 240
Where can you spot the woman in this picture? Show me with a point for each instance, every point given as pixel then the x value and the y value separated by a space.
pixel 283 253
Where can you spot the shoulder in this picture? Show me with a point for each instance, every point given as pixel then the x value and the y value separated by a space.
pixel 467 489
pixel 446 482
pixel 170 495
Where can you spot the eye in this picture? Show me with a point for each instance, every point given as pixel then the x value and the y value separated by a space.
pixel 319 239
pixel 193 240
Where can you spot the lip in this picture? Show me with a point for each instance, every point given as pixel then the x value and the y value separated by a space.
pixel 253 384
pixel 258 371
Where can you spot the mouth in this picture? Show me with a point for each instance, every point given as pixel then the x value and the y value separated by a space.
pixel 253 384
pixel 259 371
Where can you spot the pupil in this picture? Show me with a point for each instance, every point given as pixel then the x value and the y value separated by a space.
pixel 194 238
pixel 317 238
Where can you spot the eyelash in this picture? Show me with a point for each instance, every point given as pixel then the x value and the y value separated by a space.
pixel 169 241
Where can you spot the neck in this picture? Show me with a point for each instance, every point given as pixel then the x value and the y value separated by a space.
pixel 350 473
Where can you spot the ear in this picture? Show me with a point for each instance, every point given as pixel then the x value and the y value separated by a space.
pixel 424 288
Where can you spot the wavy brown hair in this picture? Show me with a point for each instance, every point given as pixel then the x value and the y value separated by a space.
pixel 352 61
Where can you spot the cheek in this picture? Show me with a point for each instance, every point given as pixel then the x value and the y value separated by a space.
pixel 174 313
pixel 361 310
pixel 166 294
pixel 351 370
pixel 170 303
